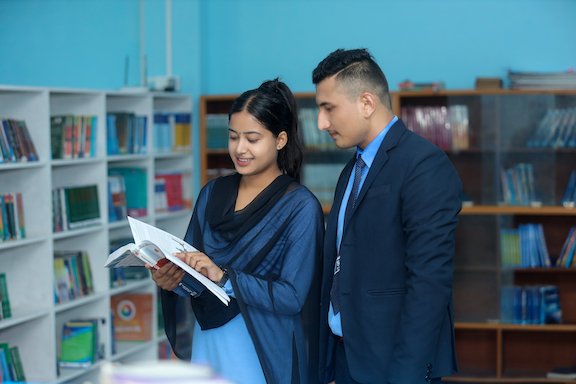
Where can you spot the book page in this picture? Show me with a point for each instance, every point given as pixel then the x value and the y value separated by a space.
pixel 170 244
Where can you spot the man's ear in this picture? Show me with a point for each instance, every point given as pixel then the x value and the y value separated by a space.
pixel 367 103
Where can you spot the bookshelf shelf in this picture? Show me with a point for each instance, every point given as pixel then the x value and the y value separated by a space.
pixel 68 375
pixel 127 348
pixel 518 210
pixel 24 242
pixel 21 318
pixel 27 263
pixel 130 286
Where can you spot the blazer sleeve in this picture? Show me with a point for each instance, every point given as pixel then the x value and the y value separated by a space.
pixel 430 202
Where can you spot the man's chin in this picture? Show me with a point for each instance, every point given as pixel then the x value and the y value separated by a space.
pixel 341 145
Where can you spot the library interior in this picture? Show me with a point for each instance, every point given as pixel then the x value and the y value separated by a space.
pixel 116 109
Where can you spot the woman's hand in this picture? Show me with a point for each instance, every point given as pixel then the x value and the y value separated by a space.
pixel 168 277
pixel 203 264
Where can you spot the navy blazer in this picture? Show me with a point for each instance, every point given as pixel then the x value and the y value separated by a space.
pixel 396 266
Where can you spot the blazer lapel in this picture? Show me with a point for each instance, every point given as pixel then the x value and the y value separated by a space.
pixel 390 141
pixel 332 222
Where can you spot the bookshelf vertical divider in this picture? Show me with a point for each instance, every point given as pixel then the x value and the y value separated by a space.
pixel 36 321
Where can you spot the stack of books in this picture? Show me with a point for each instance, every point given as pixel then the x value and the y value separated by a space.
pixel 542 80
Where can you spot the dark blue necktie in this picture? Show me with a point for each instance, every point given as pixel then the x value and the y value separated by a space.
pixel 335 291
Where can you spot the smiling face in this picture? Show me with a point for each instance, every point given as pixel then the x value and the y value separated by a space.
pixel 252 147
pixel 341 115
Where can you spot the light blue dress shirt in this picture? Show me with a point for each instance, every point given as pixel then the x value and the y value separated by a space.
pixel 368 155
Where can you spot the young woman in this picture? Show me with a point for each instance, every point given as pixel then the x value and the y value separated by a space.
pixel 259 233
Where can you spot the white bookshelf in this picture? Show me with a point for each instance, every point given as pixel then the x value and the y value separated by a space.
pixel 36 322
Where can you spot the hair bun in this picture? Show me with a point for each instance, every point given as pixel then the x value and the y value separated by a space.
pixel 274 85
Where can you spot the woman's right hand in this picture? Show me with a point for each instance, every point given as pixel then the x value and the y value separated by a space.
pixel 168 277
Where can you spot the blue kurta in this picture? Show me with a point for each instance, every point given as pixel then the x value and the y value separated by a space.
pixel 229 351
pixel 271 298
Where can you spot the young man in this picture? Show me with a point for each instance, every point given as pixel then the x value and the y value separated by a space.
pixel 386 307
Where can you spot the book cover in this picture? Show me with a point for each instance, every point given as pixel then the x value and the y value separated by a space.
pixel 132 316
pixel 17 363
pixel 77 344
pixel 136 194
pixel 82 206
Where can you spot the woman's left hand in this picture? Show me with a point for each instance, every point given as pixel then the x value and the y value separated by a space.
pixel 202 263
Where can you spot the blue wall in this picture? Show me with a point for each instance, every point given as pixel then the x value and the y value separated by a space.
pixel 224 46
pixel 449 40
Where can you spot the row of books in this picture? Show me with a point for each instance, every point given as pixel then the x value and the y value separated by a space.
pixel 172 132
pixel 11 365
pixel 73 136
pixel 532 304
pixel 72 276
pixel 524 247
pixel 172 191
pixel 82 342
pixel 542 80
pixel 566 257
pixel 312 137
pixel 12 221
pixel 518 184
pixel 557 129
pixel 127 193
pixel 16 144
pixel 445 126
pixel 217 130
pixel 409 85
pixel 126 133
pixel 5 306
pixel 75 207
pixel 321 179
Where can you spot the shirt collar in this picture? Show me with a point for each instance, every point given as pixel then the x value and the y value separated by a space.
pixel 369 153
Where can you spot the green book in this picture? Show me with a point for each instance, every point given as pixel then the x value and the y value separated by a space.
pixel 87 272
pixel 17 364
pixel 6 309
pixel 77 348
pixel 82 206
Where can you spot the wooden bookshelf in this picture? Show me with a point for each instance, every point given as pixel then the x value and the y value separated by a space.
pixel 499 123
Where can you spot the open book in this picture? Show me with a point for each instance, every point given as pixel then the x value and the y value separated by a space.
pixel 156 247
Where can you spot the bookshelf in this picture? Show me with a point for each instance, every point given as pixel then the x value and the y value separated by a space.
pixel 323 161
pixel 489 131
pixel 36 322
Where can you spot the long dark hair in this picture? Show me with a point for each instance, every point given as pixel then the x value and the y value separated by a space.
pixel 274 106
